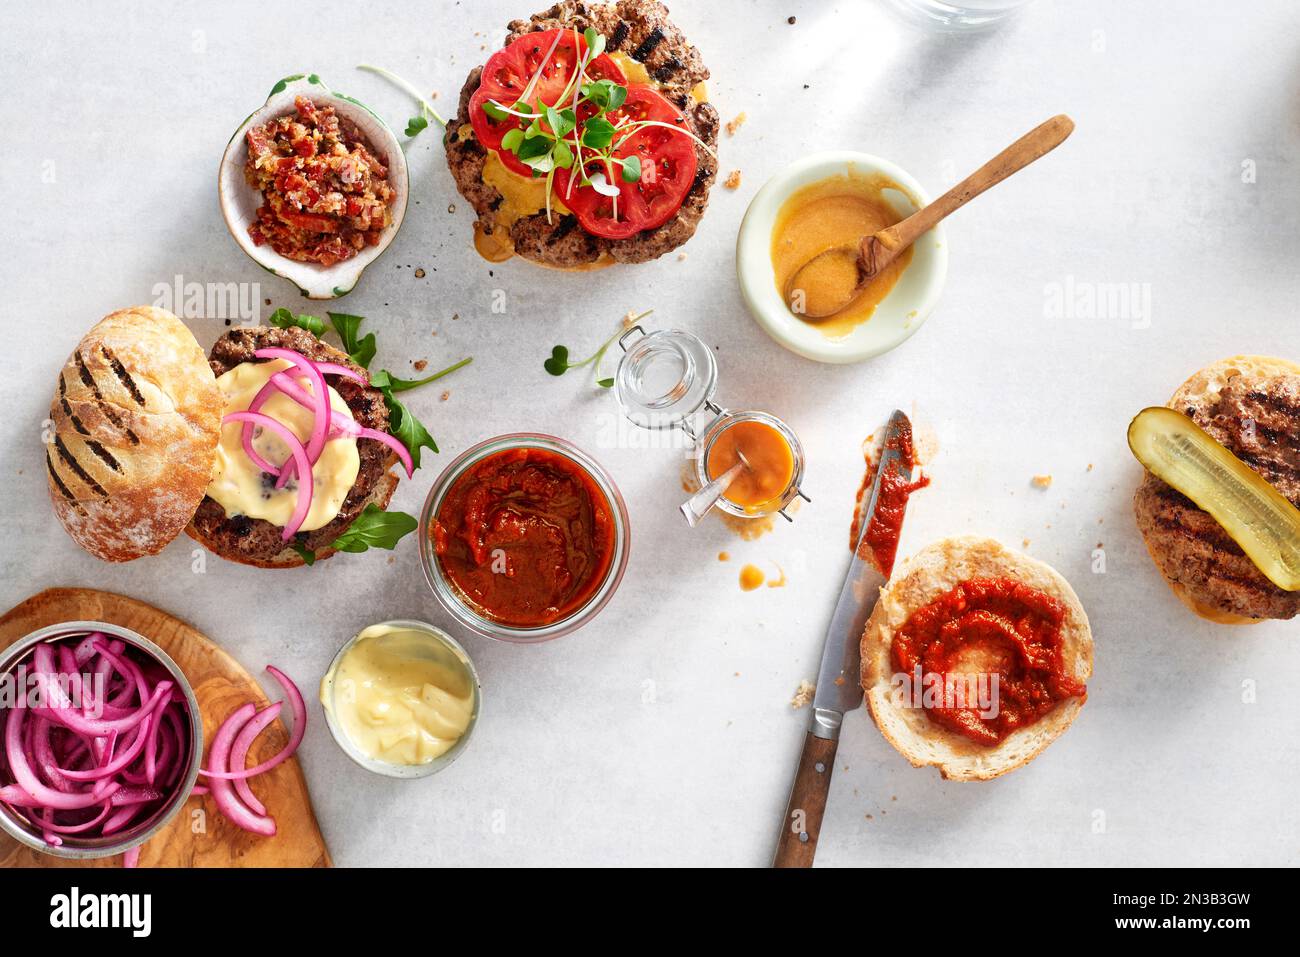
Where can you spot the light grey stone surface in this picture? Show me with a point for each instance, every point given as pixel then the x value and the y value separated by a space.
pixel 662 733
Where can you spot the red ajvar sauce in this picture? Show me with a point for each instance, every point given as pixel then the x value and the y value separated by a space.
pixel 526 536
pixel 1008 628
pixel 882 534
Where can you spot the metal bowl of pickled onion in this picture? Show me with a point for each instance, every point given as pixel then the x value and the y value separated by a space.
pixel 102 740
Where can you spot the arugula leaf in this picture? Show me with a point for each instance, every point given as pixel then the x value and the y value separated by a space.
pixel 361 351
pixel 284 319
pixel 631 169
pixel 407 429
pixel 494 111
pixel 416 125
pixel 306 554
pixel 375 528
pixel 387 382
pixel 605 383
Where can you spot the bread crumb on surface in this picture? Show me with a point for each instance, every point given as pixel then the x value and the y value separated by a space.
pixel 733 180
pixel 420 364
pixel 1043 481
pixel 1089 466
pixel 419 274
pixel 681 256
pixel 1024 543
pixel 803 694
pixel 445 396
pixel 736 124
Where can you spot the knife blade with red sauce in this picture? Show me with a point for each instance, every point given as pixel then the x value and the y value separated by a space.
pixel 839 685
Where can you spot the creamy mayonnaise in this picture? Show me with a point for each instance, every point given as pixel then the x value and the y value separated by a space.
pixel 241 488
pixel 401 695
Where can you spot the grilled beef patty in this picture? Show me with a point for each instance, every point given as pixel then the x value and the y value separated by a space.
pixel 1257 417
pixel 640 29
pixel 255 538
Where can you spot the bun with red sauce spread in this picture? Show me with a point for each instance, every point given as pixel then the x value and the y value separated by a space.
pixel 969 606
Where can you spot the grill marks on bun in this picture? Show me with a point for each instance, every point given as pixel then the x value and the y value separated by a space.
pixel 123 376
pixel 136 416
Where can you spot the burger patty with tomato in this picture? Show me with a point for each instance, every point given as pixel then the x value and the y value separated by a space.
pixel 586 140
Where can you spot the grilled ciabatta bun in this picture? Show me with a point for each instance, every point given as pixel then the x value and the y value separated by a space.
pixel 930 574
pixel 1250 404
pixel 136 417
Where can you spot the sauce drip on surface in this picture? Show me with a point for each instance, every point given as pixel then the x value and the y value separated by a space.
pixel 751 577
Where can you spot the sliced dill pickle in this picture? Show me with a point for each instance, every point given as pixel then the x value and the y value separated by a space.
pixel 1253 512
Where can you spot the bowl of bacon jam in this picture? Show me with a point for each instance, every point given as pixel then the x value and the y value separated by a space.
pixel 313 186
pixel 524 537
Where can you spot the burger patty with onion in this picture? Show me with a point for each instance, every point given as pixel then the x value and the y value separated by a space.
pixel 258 541
pixel 599 210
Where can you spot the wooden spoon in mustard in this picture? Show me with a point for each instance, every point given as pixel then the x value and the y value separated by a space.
pixel 835 277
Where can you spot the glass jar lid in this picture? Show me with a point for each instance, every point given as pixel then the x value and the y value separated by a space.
pixel 664 377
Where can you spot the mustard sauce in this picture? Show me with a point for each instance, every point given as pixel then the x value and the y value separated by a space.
pixel 770 458
pixel 830 213
pixel 401 695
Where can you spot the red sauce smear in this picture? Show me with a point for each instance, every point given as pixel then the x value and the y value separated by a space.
pixel 1008 629
pixel 526 536
pixel 881 538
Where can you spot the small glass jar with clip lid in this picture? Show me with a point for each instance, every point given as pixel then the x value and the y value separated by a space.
pixel 666 380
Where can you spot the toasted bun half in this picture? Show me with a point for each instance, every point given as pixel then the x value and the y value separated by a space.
pixel 381 494
pixel 136 418
pixel 927 575
pixel 1201 390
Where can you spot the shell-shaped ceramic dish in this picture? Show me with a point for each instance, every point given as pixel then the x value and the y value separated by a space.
pixel 239 201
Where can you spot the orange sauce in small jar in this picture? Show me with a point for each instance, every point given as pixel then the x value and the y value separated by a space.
pixel 770 458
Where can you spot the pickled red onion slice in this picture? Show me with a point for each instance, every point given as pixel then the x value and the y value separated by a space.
pixel 299 454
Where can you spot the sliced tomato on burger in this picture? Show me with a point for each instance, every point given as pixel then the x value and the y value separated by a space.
pixel 663 160
pixel 508 73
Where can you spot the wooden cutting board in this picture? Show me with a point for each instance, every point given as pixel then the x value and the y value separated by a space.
pixel 198 836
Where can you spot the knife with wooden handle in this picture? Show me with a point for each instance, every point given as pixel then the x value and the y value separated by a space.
pixel 839 685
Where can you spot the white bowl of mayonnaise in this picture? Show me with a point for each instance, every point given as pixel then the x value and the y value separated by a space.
pixel 401 698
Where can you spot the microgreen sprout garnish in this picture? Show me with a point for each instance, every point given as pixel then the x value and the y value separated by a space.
pixel 559 363
pixel 550 136
pixel 420 122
